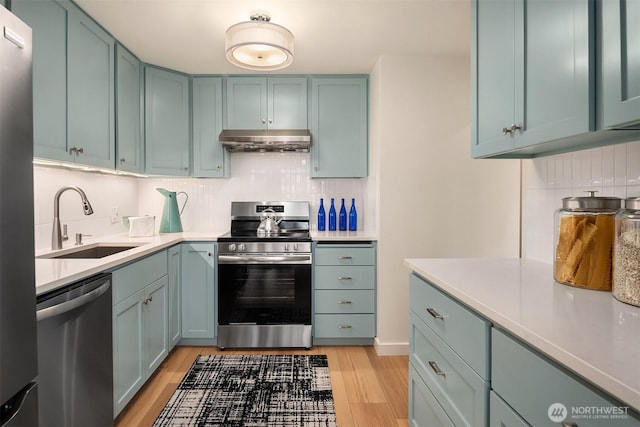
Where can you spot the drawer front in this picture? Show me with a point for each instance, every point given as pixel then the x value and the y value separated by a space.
pixel 424 409
pixel 458 388
pixel 344 301
pixel 344 325
pixel 133 277
pixel 531 384
pixel 501 414
pixel 339 277
pixel 345 255
pixel 464 331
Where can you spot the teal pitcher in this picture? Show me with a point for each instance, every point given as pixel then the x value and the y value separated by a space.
pixel 170 222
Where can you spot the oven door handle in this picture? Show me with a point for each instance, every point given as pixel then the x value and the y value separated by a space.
pixel 264 259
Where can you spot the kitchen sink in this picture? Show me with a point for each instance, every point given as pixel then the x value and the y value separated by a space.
pixel 93 251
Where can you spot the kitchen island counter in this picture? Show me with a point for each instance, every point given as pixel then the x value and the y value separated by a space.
pixel 588 332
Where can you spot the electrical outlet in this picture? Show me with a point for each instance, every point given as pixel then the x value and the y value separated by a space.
pixel 115 216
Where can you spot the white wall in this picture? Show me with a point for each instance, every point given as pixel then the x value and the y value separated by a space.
pixel 612 171
pixel 255 176
pixel 434 200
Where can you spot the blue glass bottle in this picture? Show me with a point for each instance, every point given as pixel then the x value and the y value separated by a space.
pixel 332 217
pixel 342 224
pixel 353 216
pixel 321 216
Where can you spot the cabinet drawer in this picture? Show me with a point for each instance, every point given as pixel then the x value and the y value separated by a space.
pixel 133 277
pixel 458 388
pixel 344 301
pixel 338 277
pixel 424 409
pixel 345 255
pixel 531 384
pixel 501 414
pixel 344 325
pixel 464 331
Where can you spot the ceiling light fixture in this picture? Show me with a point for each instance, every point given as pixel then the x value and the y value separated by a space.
pixel 258 44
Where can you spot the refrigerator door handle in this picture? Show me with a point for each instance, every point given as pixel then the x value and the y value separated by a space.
pixel 11 408
pixel 58 309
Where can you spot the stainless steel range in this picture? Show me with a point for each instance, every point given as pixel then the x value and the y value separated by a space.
pixel 264 276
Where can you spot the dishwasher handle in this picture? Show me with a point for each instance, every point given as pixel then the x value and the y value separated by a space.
pixel 67 306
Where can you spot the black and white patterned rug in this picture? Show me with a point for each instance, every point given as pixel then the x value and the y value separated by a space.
pixel 253 390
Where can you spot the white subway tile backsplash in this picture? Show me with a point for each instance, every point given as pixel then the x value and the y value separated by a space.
pixel 612 171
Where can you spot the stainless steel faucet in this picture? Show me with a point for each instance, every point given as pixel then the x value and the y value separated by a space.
pixel 56 234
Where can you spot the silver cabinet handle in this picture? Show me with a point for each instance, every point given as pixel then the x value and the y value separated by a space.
pixel 80 150
pixel 344 302
pixel 344 278
pixel 506 130
pixel 436 369
pixel 569 424
pixel 435 314
pixel 122 160
pixel 264 121
pixel 515 127
pixel 344 326
pixel 343 258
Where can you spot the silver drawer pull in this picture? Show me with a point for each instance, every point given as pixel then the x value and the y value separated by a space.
pixel 435 314
pixel 344 302
pixel 344 258
pixel 344 326
pixel 344 278
pixel 435 368
pixel 569 424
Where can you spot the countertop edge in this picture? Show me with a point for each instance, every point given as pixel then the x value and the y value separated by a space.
pixel 591 373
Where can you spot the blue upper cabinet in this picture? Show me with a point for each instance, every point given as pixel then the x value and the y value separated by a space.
pixel 210 159
pixel 532 74
pixel 266 103
pixel 48 20
pixel 129 146
pixel 91 90
pixel 620 67
pixel 166 122
pixel 73 83
pixel 339 131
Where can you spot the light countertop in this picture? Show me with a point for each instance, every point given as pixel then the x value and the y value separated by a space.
pixel 54 273
pixel 589 332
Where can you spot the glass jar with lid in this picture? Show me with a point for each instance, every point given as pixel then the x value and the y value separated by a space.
pixel 626 253
pixel 584 235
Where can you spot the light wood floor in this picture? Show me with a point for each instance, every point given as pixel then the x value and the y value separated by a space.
pixel 368 390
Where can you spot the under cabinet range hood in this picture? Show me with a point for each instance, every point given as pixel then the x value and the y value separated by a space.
pixel 266 140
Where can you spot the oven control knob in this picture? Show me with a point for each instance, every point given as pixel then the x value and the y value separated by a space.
pixel 286 247
pixel 241 247
pixel 232 247
pixel 295 246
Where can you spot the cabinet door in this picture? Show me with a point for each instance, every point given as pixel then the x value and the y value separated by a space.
pixel 48 20
pixel 338 115
pixel 246 103
pixel 620 63
pixel 90 75
pixel 210 159
pixel 287 103
pixel 175 289
pixel 198 285
pixel 128 351
pixel 156 324
pixel 128 127
pixel 558 72
pixel 501 414
pixel 166 122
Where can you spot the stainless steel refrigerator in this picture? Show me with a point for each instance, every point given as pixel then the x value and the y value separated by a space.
pixel 18 333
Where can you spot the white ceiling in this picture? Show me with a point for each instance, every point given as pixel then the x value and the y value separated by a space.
pixel 331 36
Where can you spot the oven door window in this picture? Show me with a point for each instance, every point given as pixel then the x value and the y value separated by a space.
pixel 264 294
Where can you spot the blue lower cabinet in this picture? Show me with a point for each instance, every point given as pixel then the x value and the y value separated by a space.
pixel 424 409
pixel 502 415
pixel 198 286
pixel 344 325
pixel 544 394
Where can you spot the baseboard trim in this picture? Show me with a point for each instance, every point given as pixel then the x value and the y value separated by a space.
pixel 391 349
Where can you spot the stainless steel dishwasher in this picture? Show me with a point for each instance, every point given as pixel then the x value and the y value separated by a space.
pixel 75 354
